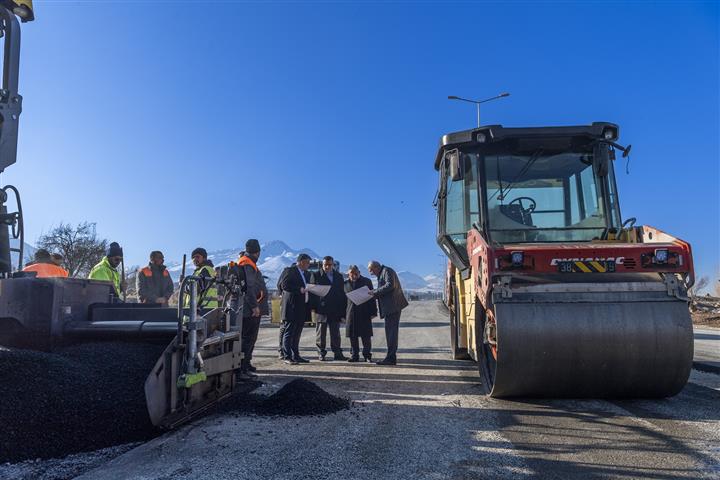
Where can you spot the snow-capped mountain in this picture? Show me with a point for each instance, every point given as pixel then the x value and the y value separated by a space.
pixel 28 253
pixel 434 282
pixel 276 255
pixel 411 281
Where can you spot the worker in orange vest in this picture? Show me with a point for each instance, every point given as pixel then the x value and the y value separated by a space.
pixel 255 296
pixel 44 267
pixel 154 284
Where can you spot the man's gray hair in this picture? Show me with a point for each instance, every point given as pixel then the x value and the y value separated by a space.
pixel 374 264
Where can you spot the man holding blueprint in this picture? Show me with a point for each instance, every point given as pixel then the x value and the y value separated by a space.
pixel 360 312
pixel 391 301
pixel 329 301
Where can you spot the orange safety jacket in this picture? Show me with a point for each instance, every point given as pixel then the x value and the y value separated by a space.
pixel 148 272
pixel 46 270
pixel 151 287
pixel 245 260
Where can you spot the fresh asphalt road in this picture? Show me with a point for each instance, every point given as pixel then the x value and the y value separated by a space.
pixel 425 418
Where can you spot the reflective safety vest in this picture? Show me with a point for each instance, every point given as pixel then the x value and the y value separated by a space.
pixel 46 270
pixel 104 271
pixel 209 298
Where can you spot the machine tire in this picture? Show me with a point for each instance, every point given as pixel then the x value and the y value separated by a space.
pixel 487 364
pixel 457 352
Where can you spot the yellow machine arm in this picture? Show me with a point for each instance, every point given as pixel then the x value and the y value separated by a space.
pixel 22 8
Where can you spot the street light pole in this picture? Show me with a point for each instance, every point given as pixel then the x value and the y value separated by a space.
pixel 478 102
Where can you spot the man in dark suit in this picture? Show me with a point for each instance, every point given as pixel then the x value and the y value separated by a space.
pixel 359 317
pixel 294 307
pixel 391 300
pixel 330 309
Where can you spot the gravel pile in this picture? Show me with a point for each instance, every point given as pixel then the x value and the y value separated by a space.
pixel 298 397
pixel 301 397
pixel 79 398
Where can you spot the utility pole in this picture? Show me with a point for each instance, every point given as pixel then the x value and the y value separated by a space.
pixel 478 102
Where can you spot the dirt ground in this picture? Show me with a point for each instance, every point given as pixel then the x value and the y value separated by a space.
pixel 706 319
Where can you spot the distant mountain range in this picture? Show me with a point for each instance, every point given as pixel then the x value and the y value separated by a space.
pixel 28 253
pixel 276 255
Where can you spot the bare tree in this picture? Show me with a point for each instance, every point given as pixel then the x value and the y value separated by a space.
pixel 79 245
pixel 699 286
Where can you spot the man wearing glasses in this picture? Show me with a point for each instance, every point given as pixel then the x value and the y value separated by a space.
pixel 106 270
pixel 294 307
pixel 330 309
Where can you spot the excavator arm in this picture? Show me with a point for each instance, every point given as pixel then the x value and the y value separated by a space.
pixel 10 108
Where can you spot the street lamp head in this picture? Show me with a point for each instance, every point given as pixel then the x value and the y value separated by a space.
pixel 453 97
pixel 504 94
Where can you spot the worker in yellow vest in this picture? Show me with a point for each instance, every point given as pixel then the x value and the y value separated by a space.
pixel 107 269
pixel 208 298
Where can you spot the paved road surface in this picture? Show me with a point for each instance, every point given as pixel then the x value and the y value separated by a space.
pixel 707 349
pixel 425 419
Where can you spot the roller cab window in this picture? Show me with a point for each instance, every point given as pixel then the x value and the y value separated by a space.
pixel 548 196
pixel 458 204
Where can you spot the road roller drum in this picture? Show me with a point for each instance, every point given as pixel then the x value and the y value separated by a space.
pixel 580 340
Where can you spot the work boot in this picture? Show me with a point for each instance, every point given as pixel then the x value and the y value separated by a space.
pixel 245 376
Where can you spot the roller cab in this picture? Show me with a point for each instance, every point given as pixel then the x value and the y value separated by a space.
pixel 549 290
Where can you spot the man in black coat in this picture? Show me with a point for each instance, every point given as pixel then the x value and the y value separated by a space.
pixel 391 301
pixel 330 309
pixel 294 307
pixel 359 317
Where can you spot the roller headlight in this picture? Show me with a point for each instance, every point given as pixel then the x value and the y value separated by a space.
pixel 661 255
pixel 517 258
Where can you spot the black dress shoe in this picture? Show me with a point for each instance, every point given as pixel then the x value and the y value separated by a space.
pixel 290 361
pixel 251 368
pixel 353 359
pixel 340 357
pixel 301 360
pixel 386 362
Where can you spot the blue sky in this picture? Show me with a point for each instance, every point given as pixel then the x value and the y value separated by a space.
pixel 317 123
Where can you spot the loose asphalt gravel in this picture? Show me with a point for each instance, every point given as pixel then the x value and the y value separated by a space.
pixel 89 398
pixel 79 398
